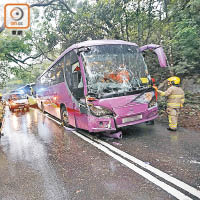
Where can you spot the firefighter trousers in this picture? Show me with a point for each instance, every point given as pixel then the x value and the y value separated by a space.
pixel 173 117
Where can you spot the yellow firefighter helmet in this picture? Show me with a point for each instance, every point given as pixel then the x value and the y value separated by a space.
pixel 1 95
pixel 174 80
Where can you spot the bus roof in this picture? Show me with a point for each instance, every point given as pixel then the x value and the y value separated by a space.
pixel 86 44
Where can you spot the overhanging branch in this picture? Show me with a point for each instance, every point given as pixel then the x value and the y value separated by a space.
pixel 42 4
pixel 23 61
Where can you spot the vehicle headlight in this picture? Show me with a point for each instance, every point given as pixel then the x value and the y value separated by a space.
pixel 153 102
pixel 145 98
pixel 99 111
pixel 148 96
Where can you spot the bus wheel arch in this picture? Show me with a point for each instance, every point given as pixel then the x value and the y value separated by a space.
pixel 64 115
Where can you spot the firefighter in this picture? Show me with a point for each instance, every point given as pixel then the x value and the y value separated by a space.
pixel 175 100
pixel 2 110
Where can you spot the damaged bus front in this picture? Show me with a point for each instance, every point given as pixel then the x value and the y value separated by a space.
pixel 118 85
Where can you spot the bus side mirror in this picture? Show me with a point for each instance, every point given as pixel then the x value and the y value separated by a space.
pixel 159 52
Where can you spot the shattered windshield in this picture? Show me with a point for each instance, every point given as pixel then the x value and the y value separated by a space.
pixel 112 69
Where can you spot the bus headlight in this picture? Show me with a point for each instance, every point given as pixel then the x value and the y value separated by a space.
pixel 153 102
pixel 145 98
pixel 148 96
pixel 99 111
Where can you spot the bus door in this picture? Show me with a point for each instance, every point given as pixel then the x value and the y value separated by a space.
pixel 76 89
pixel 70 100
pixel 78 93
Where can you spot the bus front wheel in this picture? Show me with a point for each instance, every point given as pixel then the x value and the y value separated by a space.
pixel 64 117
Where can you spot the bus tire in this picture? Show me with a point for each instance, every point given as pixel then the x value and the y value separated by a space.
pixel 64 116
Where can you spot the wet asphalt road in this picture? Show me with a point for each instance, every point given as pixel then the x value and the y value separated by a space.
pixel 41 160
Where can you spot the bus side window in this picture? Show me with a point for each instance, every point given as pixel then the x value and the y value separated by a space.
pixel 52 76
pixel 59 72
pixel 67 70
pixel 44 80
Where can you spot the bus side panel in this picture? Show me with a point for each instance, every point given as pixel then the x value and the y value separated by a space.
pixel 47 102
pixel 44 98
pixel 81 120
pixel 60 95
pixel 54 106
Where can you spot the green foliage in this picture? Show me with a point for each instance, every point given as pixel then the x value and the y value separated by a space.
pixel 186 40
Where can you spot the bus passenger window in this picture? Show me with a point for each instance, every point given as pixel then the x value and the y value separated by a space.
pixel 44 80
pixel 59 72
pixel 52 76
pixel 60 76
pixel 67 70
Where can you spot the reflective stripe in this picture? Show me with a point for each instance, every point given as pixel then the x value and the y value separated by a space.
pixel 173 125
pixel 177 105
pixel 173 128
pixel 174 96
pixel 170 118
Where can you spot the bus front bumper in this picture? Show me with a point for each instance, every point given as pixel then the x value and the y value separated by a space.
pixel 111 124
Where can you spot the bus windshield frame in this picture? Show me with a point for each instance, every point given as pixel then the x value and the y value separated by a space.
pixel 114 69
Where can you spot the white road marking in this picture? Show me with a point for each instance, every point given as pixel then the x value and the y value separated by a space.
pixel 53 119
pixel 179 195
pixel 103 146
pixel 156 171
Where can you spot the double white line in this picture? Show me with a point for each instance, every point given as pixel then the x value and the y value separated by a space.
pixel 123 158
pixel 111 151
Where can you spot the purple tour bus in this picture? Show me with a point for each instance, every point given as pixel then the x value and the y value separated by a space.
pixel 100 86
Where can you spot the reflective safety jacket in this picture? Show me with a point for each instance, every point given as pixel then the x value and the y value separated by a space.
pixel 175 96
